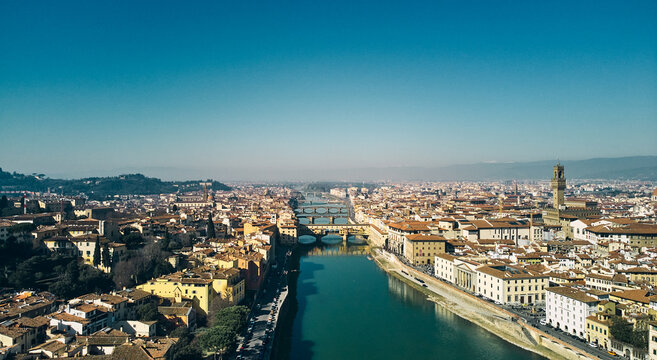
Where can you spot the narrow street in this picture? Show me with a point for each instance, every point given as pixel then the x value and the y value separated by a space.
pixel 257 340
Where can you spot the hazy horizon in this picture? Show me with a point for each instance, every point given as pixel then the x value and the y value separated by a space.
pixel 294 87
pixel 531 170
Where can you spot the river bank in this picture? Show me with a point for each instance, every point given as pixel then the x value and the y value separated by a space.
pixel 487 316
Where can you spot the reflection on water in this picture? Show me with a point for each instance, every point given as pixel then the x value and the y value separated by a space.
pixel 307 239
pixel 348 308
pixel 331 239
pixel 323 220
pixel 338 250
pixel 406 293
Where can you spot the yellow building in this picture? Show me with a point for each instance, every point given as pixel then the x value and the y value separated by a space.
pixel 636 300
pixel 86 246
pixel 200 286
pixel 529 259
pixel 421 249
pixel 222 261
pixel 288 232
pixel 253 227
pixel 597 330
pixel 639 275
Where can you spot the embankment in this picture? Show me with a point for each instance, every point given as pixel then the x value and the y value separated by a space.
pixel 498 321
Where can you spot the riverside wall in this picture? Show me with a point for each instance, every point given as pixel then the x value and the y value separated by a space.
pixel 498 321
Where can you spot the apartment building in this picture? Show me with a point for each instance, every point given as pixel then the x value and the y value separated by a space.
pixel 511 285
pixel 567 309
pixel 422 249
pixel 200 286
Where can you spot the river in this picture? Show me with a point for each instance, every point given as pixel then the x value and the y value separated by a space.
pixel 343 306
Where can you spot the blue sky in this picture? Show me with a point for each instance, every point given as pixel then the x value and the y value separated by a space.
pixel 95 87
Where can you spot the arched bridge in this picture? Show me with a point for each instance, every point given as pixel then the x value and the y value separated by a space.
pixel 322 209
pixel 344 230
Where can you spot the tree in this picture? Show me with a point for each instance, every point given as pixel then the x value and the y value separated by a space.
pixel 106 257
pixel 96 261
pixel 132 240
pixel 217 304
pixel 234 317
pixel 622 330
pixel 141 265
pixel 218 339
pixel 147 312
pixel 4 202
pixel 22 228
pixel 164 243
pixel 187 352
pixel 210 230
pixel 184 349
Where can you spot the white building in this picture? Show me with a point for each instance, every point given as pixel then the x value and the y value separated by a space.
pixel 567 309
pixel 339 192
pixel 652 339
pixel 443 267
pixel 511 285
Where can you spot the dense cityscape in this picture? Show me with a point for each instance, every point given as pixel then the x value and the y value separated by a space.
pixel 562 269
pixel 328 180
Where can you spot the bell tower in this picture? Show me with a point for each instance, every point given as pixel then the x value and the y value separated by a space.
pixel 558 184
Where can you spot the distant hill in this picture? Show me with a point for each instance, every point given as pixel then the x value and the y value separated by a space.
pixel 99 187
pixel 635 167
pixel 632 168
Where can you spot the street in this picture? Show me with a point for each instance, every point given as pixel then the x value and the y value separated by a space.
pixel 257 340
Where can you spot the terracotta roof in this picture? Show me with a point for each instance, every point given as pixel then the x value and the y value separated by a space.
pixel 423 237
pixel 572 293
pixel 639 295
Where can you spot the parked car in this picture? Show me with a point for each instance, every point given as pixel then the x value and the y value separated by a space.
pixel 543 322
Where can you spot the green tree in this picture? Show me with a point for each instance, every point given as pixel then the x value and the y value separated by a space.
pixel 4 202
pixel 233 317
pixel 210 230
pixel 218 339
pixel 22 228
pixel 132 240
pixel 147 312
pixel 187 352
pixel 106 257
pixel 184 349
pixel 96 261
pixel 623 330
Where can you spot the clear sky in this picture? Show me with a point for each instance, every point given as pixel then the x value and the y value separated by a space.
pixel 93 87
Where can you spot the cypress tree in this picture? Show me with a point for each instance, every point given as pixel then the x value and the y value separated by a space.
pixel 97 252
pixel 211 233
pixel 107 258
